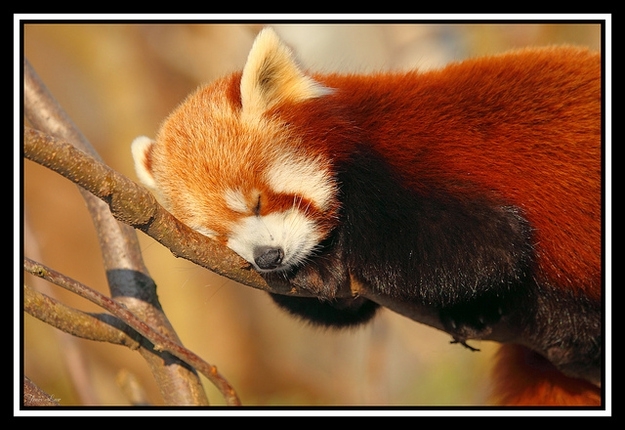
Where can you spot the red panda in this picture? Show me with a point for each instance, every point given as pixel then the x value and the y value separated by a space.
pixel 474 190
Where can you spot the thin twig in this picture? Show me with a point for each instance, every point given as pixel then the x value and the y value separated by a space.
pixel 97 327
pixel 160 342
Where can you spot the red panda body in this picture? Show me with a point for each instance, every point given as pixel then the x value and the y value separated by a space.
pixel 474 190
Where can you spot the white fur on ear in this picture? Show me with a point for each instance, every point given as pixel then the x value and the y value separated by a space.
pixel 272 75
pixel 141 148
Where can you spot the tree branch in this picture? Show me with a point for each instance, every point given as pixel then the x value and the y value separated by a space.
pixel 135 205
pixel 160 343
pixel 127 276
pixel 98 327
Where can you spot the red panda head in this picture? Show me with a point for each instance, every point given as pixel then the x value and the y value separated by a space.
pixel 227 166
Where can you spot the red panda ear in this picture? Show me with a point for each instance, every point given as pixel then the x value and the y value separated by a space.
pixel 141 152
pixel 272 75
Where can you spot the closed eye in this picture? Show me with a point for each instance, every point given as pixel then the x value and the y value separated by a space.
pixel 257 207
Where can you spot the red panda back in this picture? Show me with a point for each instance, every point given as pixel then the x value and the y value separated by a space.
pixel 526 125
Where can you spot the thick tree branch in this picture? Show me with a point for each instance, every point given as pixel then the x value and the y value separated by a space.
pixel 135 205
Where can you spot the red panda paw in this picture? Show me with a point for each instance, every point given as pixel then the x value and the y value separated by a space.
pixel 471 321
pixel 325 276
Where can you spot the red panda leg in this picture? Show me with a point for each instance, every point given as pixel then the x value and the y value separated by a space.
pixel 524 378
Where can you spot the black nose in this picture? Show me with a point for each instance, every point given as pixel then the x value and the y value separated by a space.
pixel 268 257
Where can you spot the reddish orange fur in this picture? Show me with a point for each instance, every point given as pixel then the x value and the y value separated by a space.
pixel 524 378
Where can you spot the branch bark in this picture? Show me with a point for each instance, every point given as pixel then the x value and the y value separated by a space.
pixel 35 396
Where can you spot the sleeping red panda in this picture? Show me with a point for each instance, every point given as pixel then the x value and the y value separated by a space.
pixel 474 190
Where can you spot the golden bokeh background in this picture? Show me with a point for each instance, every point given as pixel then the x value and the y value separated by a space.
pixel 118 81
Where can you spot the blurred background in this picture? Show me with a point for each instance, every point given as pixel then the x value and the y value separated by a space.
pixel 118 81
